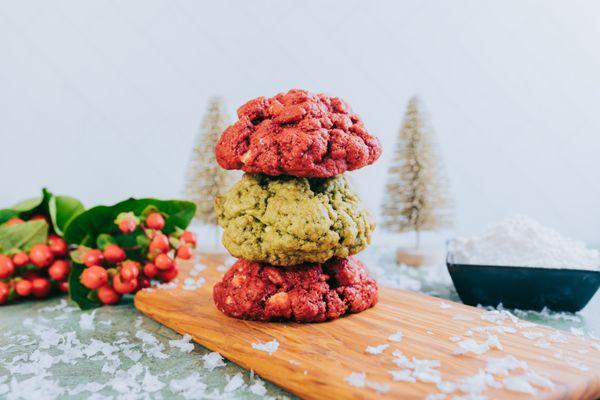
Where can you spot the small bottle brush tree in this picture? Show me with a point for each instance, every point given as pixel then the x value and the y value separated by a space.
pixel 416 191
pixel 205 179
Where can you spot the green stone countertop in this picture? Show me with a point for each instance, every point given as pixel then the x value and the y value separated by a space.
pixel 50 349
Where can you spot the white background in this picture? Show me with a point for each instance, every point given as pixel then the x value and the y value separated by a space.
pixel 103 99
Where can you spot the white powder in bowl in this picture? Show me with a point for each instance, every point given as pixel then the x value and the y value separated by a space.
pixel 522 241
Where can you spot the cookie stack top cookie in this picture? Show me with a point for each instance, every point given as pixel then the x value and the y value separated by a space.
pixel 299 134
pixel 293 205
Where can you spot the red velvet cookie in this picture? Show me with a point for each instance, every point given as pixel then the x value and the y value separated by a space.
pixel 303 293
pixel 297 133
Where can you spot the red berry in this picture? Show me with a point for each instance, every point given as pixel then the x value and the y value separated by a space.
pixel 63 286
pixel 189 237
pixel 93 257
pixel 184 252
pixel 170 274
pixel 37 217
pixel 59 270
pixel 122 286
pixel 163 262
pixel 155 221
pixel 144 283
pixel 4 292
pixel 20 259
pixel 113 253
pixel 40 287
pixel 130 270
pixel 107 295
pixel 57 245
pixel 94 277
pixel 6 266
pixel 150 270
pixel 127 222
pixel 159 244
pixel 30 275
pixel 40 255
pixel 23 288
pixel 14 221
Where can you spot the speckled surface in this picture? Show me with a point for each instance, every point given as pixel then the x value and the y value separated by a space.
pixel 32 335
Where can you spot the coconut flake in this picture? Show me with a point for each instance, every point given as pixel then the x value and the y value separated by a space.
pixel 518 384
pixel 183 344
pixel 396 337
pixel 86 321
pixel 190 388
pixel 402 375
pixel 445 306
pixel 378 387
pixel 356 379
pixel 268 347
pixel 234 383
pixel 376 349
pixel 213 360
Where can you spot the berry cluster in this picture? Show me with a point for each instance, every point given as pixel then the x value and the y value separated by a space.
pixel 36 272
pixel 114 270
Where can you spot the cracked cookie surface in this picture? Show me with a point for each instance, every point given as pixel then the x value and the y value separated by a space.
pixel 297 133
pixel 303 293
pixel 286 221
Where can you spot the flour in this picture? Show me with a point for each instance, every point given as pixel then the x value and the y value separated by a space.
pixel 521 241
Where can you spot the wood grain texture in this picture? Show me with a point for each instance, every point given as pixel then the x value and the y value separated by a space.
pixel 313 360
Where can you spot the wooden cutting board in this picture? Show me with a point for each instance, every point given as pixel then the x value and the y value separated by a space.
pixel 313 360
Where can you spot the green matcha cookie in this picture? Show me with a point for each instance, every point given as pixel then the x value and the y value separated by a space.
pixel 287 221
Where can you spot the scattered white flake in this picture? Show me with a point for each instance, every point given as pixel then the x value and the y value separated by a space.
pixel 577 331
pixel 402 375
pixel 558 337
pixel 472 346
pixel 356 379
pixel 533 335
pixel 258 388
pixel 167 286
pixel 469 333
pixel 151 383
pixel 133 355
pixel 504 366
pixel 193 284
pixel 376 349
pixel 268 347
pixel 525 324
pixel 429 333
pixel 191 387
pixel 462 317
pixel 213 360
pixel 447 387
pixel 573 362
pixel 86 387
pixel 184 344
pixel 86 320
pixel 518 384
pixel 542 344
pixel 539 380
pixel 293 362
pixel 455 339
pixel 596 346
pixel 445 306
pixel 152 347
pixel 378 387
pixel 234 383
pixel 437 396
pixel 396 337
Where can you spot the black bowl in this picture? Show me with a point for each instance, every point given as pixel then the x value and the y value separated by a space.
pixel 526 288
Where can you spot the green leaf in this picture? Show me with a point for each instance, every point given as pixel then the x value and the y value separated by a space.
pixel 103 240
pixel 7 214
pixel 81 295
pixel 22 237
pixel 62 210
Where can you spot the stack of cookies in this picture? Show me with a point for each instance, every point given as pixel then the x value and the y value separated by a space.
pixel 292 220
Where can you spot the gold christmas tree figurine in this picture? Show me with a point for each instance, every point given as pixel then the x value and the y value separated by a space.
pixel 416 195
pixel 205 179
